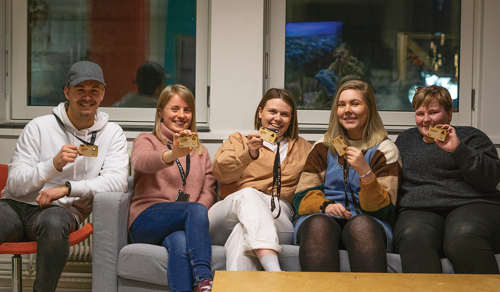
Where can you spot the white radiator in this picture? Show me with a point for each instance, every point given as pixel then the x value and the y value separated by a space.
pixel 82 252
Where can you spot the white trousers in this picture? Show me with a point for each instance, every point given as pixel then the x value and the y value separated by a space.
pixel 243 222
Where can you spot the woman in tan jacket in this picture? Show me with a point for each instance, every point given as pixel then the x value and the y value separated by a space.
pixel 258 180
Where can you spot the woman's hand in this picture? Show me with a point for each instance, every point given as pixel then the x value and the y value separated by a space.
pixel 177 152
pixel 356 159
pixel 180 152
pixel 337 210
pixel 254 143
pixel 451 142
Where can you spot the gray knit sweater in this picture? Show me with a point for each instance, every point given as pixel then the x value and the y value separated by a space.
pixel 434 179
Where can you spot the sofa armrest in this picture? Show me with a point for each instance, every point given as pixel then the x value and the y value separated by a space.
pixel 110 219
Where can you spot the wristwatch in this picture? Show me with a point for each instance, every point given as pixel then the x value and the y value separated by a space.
pixel 325 203
pixel 68 184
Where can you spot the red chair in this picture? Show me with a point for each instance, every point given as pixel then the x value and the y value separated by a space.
pixel 20 248
pixel 4 170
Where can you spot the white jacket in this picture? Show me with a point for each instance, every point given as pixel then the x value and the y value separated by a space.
pixel 31 169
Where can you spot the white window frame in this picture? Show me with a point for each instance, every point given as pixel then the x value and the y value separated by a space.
pixel 18 60
pixel 391 119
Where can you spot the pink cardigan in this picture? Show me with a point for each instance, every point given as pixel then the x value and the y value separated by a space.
pixel 155 181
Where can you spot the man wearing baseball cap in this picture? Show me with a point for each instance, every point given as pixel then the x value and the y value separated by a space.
pixel 61 161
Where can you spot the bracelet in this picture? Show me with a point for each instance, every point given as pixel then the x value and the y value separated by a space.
pixel 370 171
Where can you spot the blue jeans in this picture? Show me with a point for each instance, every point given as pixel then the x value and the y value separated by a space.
pixel 50 226
pixel 182 228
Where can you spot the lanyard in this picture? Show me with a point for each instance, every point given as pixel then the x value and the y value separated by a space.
pixel 346 198
pixel 277 181
pixel 181 170
pixel 92 140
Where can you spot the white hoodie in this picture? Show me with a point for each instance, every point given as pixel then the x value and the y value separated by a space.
pixel 31 169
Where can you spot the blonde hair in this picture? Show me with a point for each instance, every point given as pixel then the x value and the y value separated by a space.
pixel 374 131
pixel 165 96
pixel 426 94
pixel 283 94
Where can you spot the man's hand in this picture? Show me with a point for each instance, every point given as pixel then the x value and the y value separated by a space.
pixel 254 143
pixel 67 154
pixel 46 197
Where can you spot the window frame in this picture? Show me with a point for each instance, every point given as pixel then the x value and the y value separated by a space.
pixel 396 120
pixel 21 112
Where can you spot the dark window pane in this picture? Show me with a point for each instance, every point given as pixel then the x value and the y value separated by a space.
pixel 119 36
pixel 393 45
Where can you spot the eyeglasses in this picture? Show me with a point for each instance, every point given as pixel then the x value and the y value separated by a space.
pixel 433 88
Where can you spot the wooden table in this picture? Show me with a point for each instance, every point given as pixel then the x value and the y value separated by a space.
pixel 226 281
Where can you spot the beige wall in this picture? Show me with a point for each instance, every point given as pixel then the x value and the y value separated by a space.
pixel 488 104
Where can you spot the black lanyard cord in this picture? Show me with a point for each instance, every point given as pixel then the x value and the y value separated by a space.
pixel 346 198
pixel 181 170
pixel 277 181
pixel 92 140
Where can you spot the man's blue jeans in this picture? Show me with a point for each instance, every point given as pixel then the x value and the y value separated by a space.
pixel 182 228
pixel 50 226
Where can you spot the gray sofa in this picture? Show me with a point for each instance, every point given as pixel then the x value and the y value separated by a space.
pixel 118 266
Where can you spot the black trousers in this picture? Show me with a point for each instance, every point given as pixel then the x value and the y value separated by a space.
pixel 50 226
pixel 469 236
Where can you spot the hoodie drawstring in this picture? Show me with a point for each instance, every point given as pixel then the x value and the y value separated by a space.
pixel 86 160
pixel 74 164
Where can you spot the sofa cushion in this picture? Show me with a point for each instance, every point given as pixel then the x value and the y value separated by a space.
pixel 393 263
pixel 218 258
pixel 289 258
pixel 148 263
pixel 143 262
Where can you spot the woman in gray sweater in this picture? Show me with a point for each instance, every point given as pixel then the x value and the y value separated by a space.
pixel 448 204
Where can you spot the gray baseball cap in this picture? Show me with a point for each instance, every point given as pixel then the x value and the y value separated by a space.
pixel 83 71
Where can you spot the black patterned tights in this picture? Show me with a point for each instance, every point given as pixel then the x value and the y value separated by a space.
pixel 321 237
